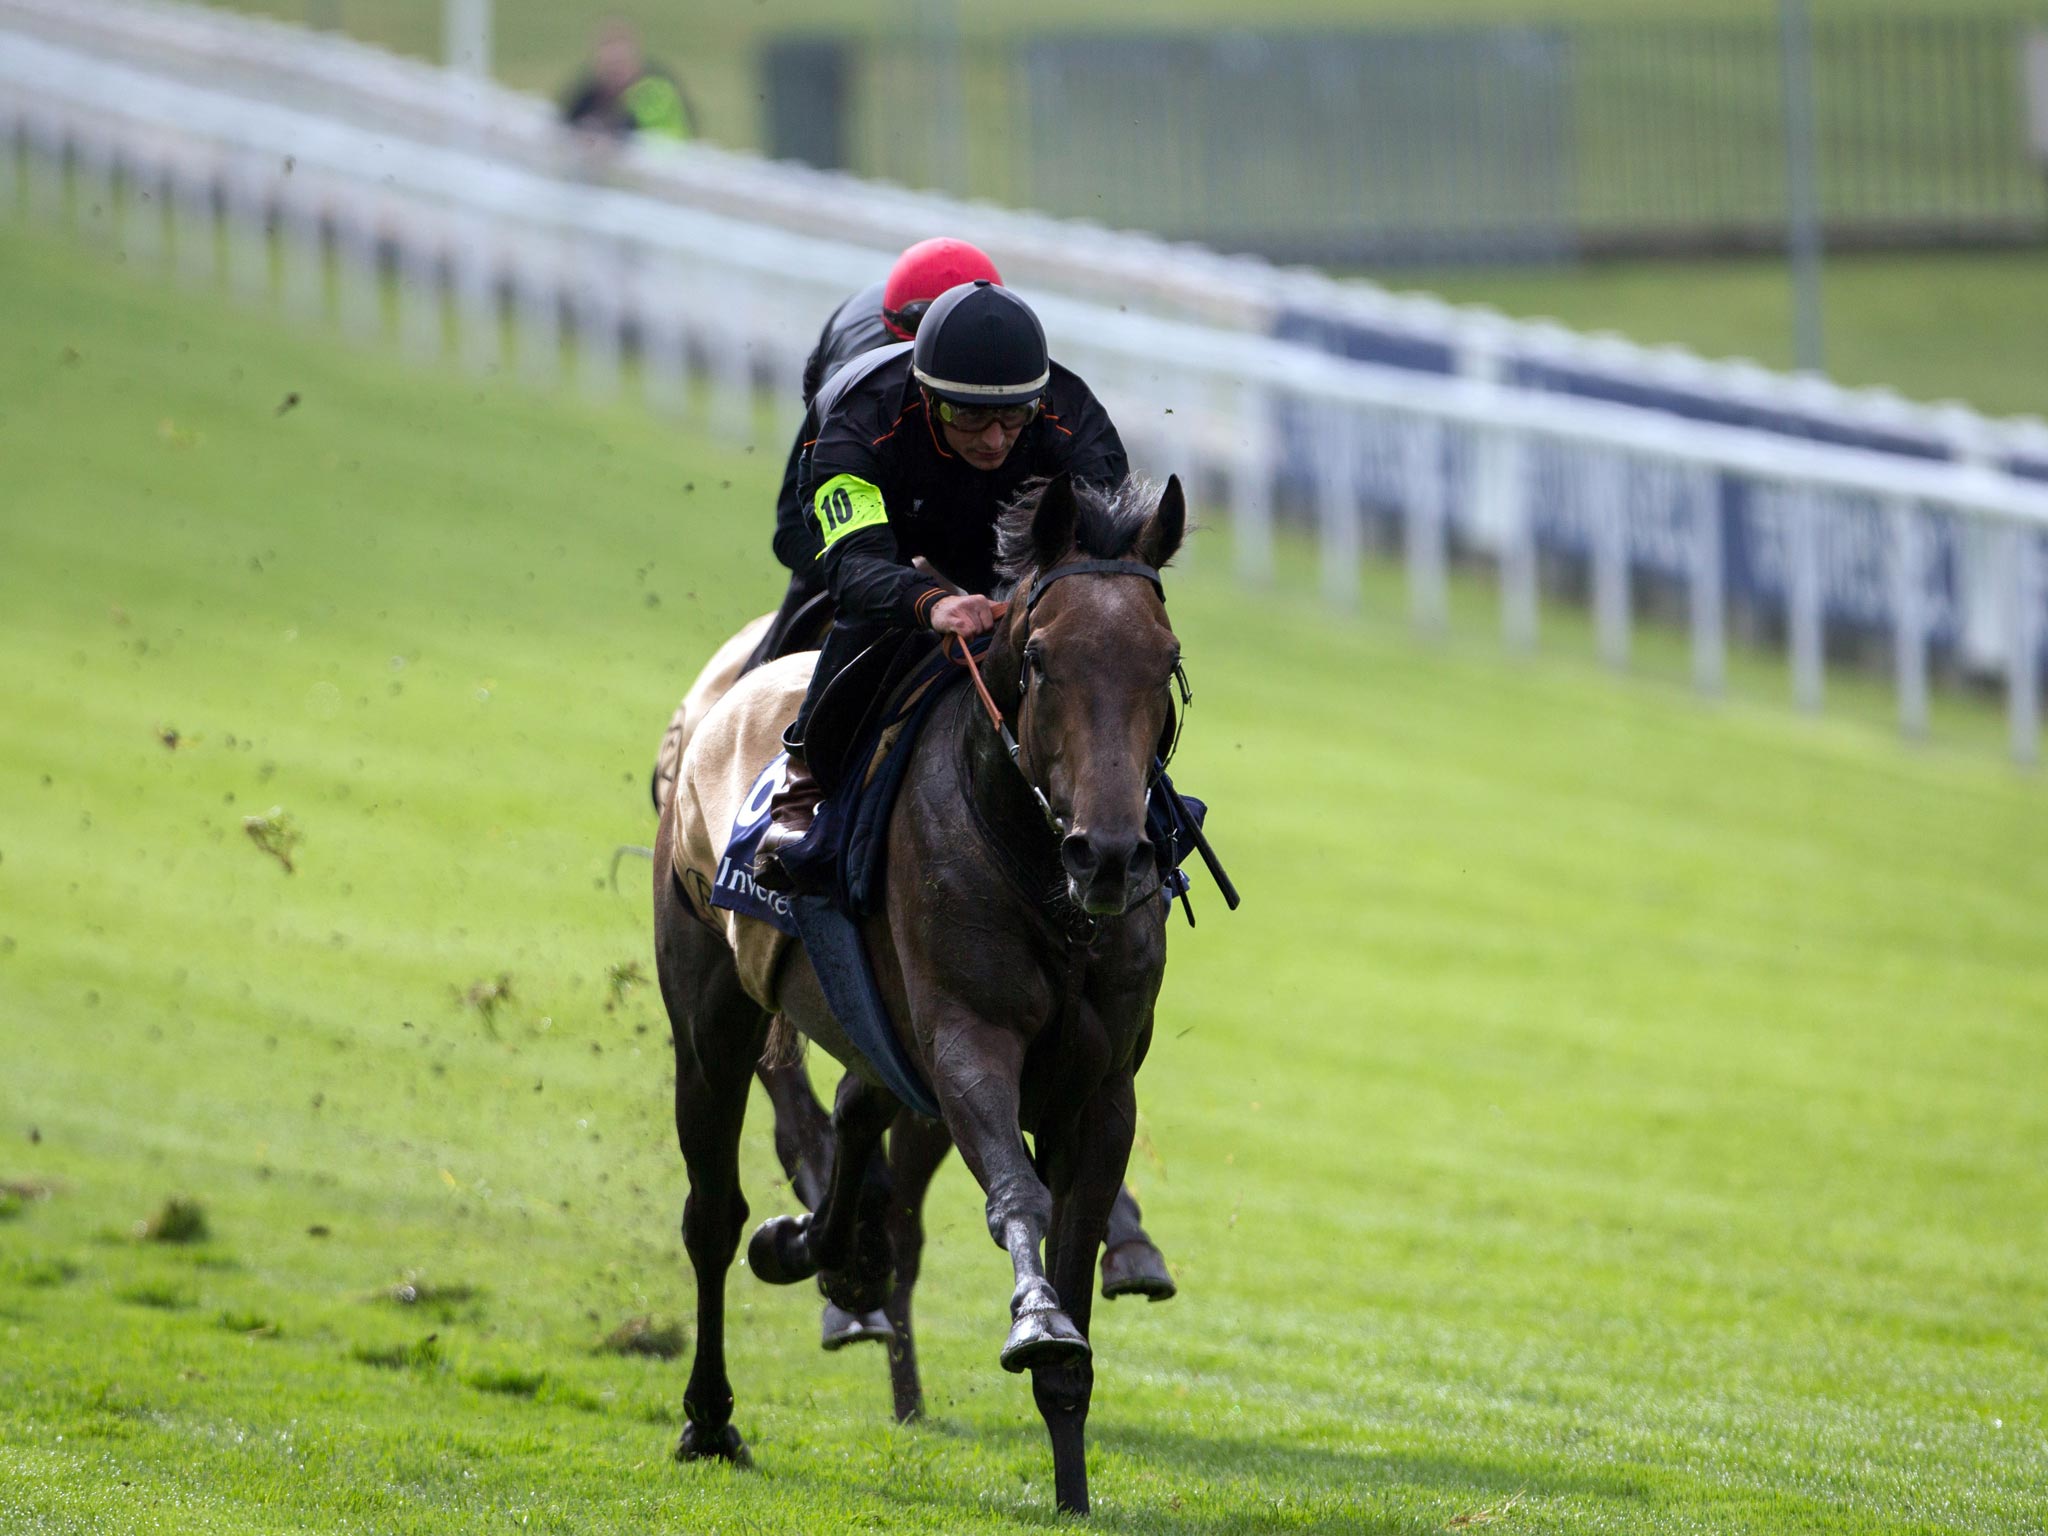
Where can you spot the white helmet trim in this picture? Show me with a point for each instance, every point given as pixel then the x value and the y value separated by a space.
pixel 981 391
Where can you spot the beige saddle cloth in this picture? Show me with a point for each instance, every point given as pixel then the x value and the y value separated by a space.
pixel 721 749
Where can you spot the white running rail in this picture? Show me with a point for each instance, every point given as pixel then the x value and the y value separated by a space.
pixel 305 171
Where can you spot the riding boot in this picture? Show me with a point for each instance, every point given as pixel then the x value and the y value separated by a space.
pixel 790 815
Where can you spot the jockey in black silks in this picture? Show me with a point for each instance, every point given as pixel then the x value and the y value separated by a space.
pixel 917 449
pixel 880 315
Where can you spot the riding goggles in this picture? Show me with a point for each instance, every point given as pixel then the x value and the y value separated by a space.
pixel 903 322
pixel 976 418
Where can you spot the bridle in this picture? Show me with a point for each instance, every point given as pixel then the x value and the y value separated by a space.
pixel 1169 740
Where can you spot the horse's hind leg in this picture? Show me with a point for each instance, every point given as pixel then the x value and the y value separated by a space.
pixel 916 1148
pixel 719 1032
pixel 803 1131
pixel 803 1143
pixel 1132 1264
pixel 846 1241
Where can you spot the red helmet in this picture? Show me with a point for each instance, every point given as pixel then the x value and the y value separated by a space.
pixel 924 272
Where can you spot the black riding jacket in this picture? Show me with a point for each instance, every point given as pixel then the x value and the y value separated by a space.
pixel 854 327
pixel 879 486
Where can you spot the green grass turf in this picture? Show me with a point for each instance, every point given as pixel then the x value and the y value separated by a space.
pixel 1607 1102
pixel 1971 327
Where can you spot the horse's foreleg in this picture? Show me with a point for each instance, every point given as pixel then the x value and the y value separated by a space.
pixel 978 1070
pixel 1090 1174
pixel 916 1148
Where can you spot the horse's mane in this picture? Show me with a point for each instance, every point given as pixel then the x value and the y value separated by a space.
pixel 1106 523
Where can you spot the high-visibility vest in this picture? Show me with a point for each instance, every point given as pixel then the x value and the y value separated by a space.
pixel 656 107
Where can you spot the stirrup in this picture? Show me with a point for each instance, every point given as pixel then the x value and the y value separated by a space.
pixel 770 873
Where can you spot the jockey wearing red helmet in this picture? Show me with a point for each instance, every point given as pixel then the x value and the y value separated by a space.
pixel 924 272
pixel 880 315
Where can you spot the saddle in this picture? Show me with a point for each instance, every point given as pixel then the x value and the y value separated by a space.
pixel 867 691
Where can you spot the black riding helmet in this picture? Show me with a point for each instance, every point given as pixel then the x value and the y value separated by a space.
pixel 981 345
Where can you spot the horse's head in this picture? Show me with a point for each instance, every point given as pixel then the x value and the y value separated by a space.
pixel 1088 658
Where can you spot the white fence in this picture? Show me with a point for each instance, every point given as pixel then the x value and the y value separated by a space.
pixel 302 170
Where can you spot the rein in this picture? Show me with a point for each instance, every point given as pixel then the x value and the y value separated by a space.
pixel 995 717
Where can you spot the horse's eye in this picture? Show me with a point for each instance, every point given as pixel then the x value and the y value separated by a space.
pixel 1034 661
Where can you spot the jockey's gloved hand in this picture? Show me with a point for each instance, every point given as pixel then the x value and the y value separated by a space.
pixel 969 616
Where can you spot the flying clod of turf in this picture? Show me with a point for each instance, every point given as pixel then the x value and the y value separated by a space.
pixel 421 1355
pixel 485 998
pixel 179 1219
pixel 416 1291
pixel 276 833
pixel 659 1337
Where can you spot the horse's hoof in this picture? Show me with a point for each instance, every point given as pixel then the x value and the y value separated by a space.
pixel 852 1292
pixel 1042 1337
pixel 720 1444
pixel 778 1253
pixel 1136 1268
pixel 840 1327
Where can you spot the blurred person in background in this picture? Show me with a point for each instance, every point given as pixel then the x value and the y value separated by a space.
pixel 625 93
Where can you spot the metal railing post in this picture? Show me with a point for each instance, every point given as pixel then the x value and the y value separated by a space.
pixel 422 317
pixel 2023 662
pixel 1422 453
pixel 1802 509
pixel 1251 488
pixel 1909 614
pixel 359 285
pixel 1608 495
pixel 142 234
pixel 1341 545
pixel 1504 494
pixel 45 173
pixel 479 326
pixel 195 228
pixel 248 236
pixel 1705 592
pixel 302 257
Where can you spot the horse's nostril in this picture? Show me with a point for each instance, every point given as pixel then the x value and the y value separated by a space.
pixel 1095 859
pixel 1077 852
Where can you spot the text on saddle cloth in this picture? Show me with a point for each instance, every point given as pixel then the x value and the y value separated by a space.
pixel 734 887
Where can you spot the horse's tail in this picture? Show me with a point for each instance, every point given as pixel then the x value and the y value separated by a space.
pixel 784 1046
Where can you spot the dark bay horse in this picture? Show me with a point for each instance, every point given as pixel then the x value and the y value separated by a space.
pixel 1020 948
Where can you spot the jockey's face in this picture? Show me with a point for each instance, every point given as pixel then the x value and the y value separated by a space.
pixel 982 438
pixel 985 449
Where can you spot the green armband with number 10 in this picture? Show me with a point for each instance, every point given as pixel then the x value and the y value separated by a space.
pixel 844 504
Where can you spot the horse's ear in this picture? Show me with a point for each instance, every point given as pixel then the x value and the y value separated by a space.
pixel 1167 526
pixel 1052 525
